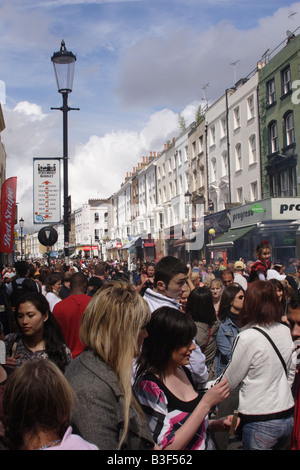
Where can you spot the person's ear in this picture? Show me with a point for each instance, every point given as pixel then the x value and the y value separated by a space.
pixel 160 286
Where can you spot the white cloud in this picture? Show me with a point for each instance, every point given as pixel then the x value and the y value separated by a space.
pixel 96 168
pixel 170 66
pixel 31 110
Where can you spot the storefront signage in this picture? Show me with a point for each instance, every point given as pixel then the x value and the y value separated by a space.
pixel 266 210
pixel 286 208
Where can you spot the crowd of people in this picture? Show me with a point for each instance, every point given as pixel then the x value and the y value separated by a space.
pixel 160 356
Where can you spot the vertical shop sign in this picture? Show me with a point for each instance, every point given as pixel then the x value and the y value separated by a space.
pixel 46 191
pixel 8 209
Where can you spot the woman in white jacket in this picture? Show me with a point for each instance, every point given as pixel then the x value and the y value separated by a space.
pixel 265 397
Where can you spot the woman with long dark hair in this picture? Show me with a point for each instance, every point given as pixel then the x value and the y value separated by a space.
pixel 177 415
pixel 230 306
pixel 39 334
pixel 201 308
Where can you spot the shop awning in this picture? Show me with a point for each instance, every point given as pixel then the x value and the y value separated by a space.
pixel 231 236
pixel 132 242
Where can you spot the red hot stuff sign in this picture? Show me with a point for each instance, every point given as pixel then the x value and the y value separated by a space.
pixel 8 209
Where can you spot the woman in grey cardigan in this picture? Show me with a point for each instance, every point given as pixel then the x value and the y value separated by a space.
pixel 113 329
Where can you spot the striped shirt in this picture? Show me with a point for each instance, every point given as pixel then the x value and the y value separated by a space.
pixel 166 413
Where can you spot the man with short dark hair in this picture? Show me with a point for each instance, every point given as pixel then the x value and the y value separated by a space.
pixel 170 283
pixel 227 277
pixel 68 312
pixel 217 271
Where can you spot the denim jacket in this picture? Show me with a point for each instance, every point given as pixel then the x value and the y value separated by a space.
pixel 225 338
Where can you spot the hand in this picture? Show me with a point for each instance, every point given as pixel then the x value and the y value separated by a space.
pixel 223 424
pixel 11 361
pixel 217 393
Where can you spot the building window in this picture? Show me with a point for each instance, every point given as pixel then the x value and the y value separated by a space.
pixel 186 153
pixel 201 177
pixel 236 118
pixel 252 149
pixel 273 137
pixel 96 217
pixel 271 95
pixel 213 170
pixel 289 131
pixel 194 154
pixel 239 194
pixel 201 144
pixel 180 184
pixel 212 135
pixel 224 164
pixel 283 183
pixel 223 128
pixel 161 221
pixel 253 191
pixel 250 107
pixel 179 157
pixel 286 83
pixel 238 157
pixel 158 174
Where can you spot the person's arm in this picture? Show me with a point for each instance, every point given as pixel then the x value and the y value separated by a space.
pixel 142 281
pixel 95 416
pixel 189 280
pixel 223 344
pixel 198 368
pixel 239 364
pixel 186 432
pixel 154 404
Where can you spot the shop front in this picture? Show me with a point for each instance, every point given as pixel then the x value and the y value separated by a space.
pixel 274 219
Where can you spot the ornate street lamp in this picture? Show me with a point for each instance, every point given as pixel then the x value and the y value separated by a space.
pixel 21 223
pixel 64 65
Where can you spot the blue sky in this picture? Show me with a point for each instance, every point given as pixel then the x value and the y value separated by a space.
pixel 139 63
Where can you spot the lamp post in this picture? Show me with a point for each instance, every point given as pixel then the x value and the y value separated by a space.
pixel 64 65
pixel 21 223
pixel 188 196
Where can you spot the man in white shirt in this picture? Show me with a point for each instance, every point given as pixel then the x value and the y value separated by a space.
pixel 169 285
pixel 238 274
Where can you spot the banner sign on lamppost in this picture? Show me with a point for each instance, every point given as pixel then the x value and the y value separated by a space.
pixel 46 191
pixel 8 208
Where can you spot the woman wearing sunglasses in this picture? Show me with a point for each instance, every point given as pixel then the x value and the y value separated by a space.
pixel 231 304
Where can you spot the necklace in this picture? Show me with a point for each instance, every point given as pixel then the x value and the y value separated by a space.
pixel 50 444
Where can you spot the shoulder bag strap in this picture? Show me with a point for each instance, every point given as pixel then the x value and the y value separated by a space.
pixel 274 346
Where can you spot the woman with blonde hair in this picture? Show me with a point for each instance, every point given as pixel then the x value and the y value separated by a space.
pixel 113 329
pixel 208 279
pixel 216 288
